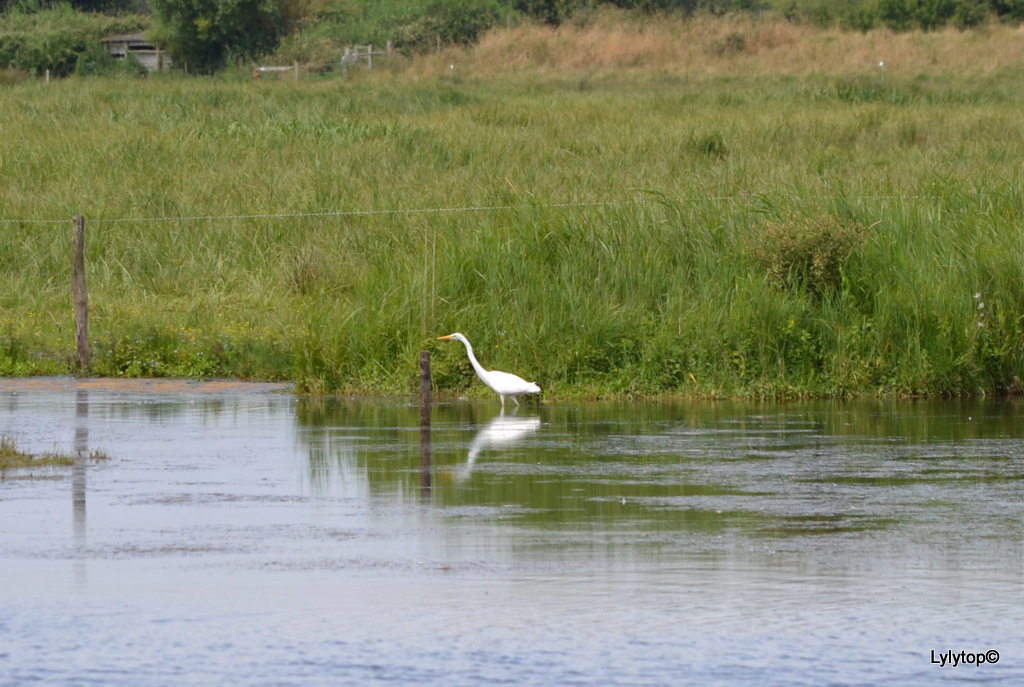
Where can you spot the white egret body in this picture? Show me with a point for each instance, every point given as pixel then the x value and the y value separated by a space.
pixel 503 383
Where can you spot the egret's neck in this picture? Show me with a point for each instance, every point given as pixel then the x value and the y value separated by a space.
pixel 474 362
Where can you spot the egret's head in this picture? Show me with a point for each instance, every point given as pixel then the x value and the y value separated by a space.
pixel 456 336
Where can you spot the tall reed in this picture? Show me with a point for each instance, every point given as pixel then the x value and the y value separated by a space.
pixel 735 236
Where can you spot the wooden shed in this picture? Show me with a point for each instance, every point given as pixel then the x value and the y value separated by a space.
pixel 151 57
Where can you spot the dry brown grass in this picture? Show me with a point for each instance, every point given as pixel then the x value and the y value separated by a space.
pixel 733 45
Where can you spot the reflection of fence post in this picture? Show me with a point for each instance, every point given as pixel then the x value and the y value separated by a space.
pixel 78 469
pixel 78 291
pixel 425 422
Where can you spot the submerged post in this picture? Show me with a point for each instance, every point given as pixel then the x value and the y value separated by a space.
pixel 425 388
pixel 78 291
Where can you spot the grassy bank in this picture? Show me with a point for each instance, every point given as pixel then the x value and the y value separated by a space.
pixel 13 458
pixel 640 226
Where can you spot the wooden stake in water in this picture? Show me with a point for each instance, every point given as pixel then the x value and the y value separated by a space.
pixel 424 388
pixel 78 291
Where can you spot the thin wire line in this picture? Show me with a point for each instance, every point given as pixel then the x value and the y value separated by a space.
pixel 413 211
pixel 293 215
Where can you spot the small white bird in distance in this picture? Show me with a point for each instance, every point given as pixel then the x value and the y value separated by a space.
pixel 503 383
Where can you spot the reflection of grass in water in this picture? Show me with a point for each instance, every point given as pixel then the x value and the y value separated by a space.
pixel 11 457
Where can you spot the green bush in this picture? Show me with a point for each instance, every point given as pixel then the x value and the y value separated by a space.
pixel 971 13
pixel 807 253
pixel 95 61
pixel 455 23
pixel 57 39
pixel 206 34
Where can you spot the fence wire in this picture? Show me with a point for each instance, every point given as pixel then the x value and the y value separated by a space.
pixel 302 215
pixel 403 211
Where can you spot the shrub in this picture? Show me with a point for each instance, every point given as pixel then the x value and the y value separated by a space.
pixel 807 253
pixel 455 23
pixel 205 33
pixel 95 61
pixel 57 38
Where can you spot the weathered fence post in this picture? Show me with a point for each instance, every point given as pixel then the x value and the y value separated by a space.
pixel 78 290
pixel 424 388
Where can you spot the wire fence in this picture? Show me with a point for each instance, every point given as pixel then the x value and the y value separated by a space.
pixel 414 211
pixel 304 215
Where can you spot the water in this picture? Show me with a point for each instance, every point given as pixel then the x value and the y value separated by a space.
pixel 241 535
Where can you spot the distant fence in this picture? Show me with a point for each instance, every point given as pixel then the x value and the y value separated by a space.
pixel 351 57
pixel 80 295
pixel 358 52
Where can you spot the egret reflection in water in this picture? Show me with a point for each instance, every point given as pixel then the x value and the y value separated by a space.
pixel 809 542
pixel 504 431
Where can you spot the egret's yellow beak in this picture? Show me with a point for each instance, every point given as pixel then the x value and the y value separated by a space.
pixel 442 338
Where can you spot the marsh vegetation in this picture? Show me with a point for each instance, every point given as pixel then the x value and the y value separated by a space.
pixel 738 208
pixel 12 457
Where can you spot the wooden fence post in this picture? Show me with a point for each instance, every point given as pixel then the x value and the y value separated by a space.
pixel 78 291
pixel 425 388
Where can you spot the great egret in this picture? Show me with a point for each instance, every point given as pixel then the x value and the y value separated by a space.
pixel 503 383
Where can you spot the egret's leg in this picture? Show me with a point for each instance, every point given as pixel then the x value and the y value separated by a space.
pixel 516 399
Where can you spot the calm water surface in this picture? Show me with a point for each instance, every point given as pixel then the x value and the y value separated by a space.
pixel 241 535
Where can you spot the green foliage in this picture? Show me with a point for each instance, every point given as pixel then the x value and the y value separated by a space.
pixel 96 61
pixel 552 12
pixel 808 253
pixel 970 13
pixel 1013 9
pixel 326 233
pixel 899 15
pixel 205 34
pixel 410 26
pixel 57 39
pixel 454 22
pixel 13 458
pixel 711 145
pixel 556 12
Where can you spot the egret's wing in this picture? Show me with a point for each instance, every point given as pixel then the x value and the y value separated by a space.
pixel 508 383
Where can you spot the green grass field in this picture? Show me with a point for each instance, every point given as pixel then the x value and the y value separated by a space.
pixel 603 231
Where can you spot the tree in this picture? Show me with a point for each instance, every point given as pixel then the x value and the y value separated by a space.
pixel 898 15
pixel 205 33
